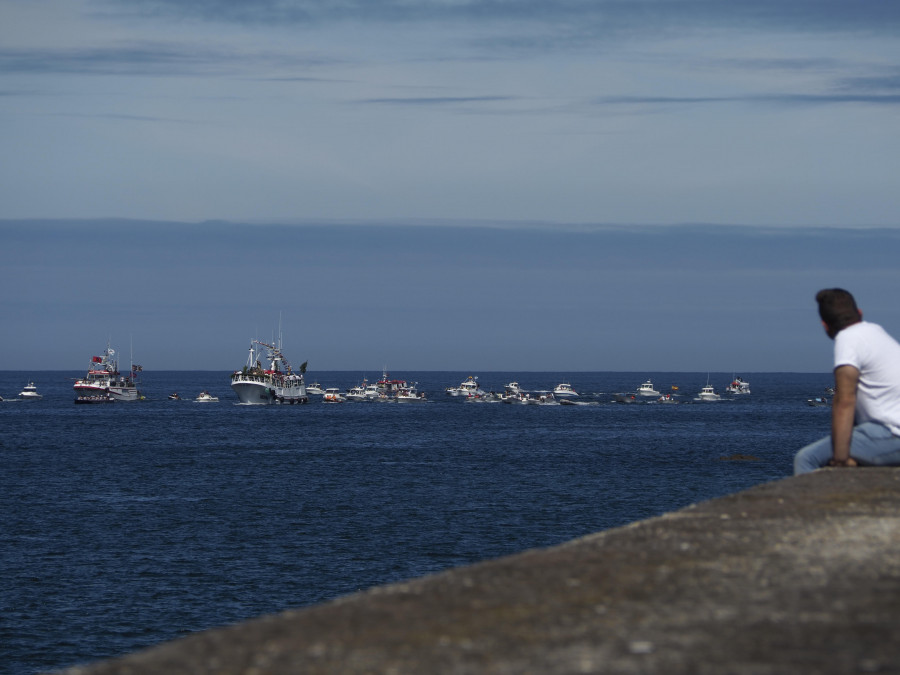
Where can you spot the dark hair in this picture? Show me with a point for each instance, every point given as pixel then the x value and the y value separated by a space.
pixel 837 309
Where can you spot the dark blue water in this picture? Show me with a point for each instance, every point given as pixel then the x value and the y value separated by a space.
pixel 128 524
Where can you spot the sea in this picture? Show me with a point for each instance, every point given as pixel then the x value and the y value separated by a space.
pixel 125 525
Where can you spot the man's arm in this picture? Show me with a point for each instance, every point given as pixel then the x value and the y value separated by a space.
pixel 843 411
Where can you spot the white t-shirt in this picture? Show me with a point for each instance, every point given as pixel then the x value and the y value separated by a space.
pixel 876 355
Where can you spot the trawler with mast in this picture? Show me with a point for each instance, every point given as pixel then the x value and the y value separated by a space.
pixel 276 382
pixel 103 381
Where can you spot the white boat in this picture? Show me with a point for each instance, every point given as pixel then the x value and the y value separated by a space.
pixel 410 395
pixel 667 398
pixel 206 397
pixel 513 388
pixel 373 392
pixel 738 386
pixel 564 389
pixel 333 395
pixel 647 389
pixel 315 388
pixel 708 393
pixel 469 387
pixel 275 383
pixel 357 393
pixel 104 382
pixel 387 388
pixel 29 393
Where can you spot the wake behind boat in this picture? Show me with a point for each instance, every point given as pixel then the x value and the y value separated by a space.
pixel 104 382
pixel 277 383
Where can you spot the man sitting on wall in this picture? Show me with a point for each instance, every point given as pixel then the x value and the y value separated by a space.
pixel 865 415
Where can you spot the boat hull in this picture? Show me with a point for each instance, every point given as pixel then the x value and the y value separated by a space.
pixel 255 392
pixel 114 393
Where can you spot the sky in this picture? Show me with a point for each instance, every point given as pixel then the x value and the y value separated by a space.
pixel 748 112
pixel 650 185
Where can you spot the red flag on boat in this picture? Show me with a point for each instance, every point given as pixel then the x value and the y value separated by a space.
pixel 96 359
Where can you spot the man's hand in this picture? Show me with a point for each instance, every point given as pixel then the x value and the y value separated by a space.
pixel 845 463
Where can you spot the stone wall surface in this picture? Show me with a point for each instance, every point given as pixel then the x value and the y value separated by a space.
pixel 800 575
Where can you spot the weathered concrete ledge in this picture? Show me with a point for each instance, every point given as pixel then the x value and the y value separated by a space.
pixel 797 576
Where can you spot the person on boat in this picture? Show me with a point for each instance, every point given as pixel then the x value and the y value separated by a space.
pixel 865 410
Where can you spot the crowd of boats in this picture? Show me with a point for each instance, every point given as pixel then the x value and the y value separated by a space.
pixel 268 378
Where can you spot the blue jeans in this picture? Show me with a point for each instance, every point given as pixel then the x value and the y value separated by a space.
pixel 872 444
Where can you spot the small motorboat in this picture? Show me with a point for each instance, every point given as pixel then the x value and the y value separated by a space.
pixel 738 386
pixel 708 393
pixel 174 396
pixel 29 393
pixel 564 389
pixel 467 388
pixel 206 397
pixel 315 388
pixel 333 395
pixel 647 389
pixel 357 393
pixel 411 395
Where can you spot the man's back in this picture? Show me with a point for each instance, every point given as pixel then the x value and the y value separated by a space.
pixel 876 355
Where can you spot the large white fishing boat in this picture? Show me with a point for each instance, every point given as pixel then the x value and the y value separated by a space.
pixel 274 383
pixel 104 382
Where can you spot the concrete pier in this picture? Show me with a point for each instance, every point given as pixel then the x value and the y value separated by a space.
pixel 800 575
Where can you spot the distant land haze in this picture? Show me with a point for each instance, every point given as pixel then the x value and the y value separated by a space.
pixel 469 297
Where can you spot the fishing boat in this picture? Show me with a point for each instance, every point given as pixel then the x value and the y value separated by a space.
pixel 387 387
pixel 357 393
pixel 274 383
pixel 411 395
pixel 468 388
pixel 738 386
pixel 708 393
pixel 315 388
pixel 206 397
pixel 29 393
pixel 104 382
pixel 647 389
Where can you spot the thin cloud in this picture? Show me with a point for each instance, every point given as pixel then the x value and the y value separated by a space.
pixel 773 99
pixel 128 118
pixel 152 58
pixel 437 100
pixel 804 15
